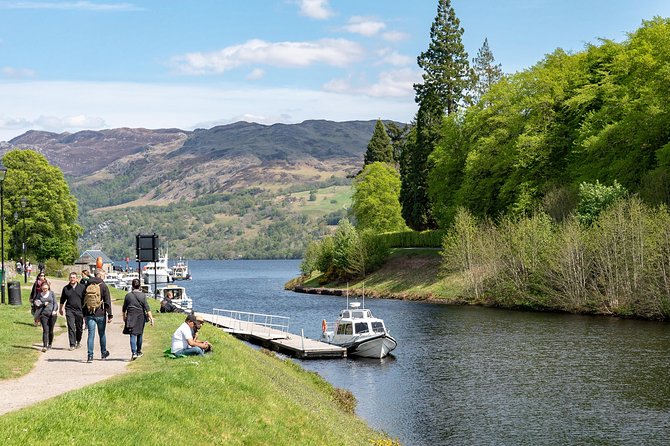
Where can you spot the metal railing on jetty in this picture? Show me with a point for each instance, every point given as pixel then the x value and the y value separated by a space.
pixel 269 325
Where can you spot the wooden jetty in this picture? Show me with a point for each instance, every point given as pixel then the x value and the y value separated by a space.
pixel 271 332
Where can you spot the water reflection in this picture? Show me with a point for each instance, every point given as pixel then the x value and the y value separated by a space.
pixel 464 375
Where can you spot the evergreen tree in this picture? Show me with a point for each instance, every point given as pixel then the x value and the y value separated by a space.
pixel 398 135
pixel 379 147
pixel 485 71
pixel 446 72
pixel 446 78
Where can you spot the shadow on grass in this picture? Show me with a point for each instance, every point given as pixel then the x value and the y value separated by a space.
pixel 30 324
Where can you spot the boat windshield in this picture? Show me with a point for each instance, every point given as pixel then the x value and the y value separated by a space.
pixel 362 327
pixel 378 327
pixel 344 329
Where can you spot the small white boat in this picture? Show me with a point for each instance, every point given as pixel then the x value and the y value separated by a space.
pixel 157 273
pixel 178 296
pixel 360 333
pixel 180 270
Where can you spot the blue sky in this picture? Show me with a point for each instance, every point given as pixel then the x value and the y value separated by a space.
pixel 93 64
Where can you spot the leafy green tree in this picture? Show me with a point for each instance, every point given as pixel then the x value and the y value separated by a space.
pixel 379 147
pixel 50 212
pixel 346 249
pixel 594 198
pixel 375 200
pixel 485 71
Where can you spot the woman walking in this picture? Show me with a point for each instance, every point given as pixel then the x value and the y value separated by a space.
pixel 134 309
pixel 46 313
pixel 36 290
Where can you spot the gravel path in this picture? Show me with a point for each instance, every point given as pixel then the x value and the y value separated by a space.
pixel 68 368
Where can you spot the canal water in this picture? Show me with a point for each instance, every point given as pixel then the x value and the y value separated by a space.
pixel 475 376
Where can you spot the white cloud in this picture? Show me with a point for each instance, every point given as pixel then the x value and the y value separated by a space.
pixel 334 52
pixel 395 36
pixel 390 84
pixel 74 106
pixel 315 9
pixel 17 72
pixel 71 6
pixel 392 57
pixel 256 74
pixel 364 26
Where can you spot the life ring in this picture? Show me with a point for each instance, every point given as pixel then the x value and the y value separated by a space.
pixel 324 325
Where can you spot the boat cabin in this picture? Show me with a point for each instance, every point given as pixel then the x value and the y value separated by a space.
pixel 358 321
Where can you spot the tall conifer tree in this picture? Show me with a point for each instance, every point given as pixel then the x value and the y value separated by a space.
pixel 379 147
pixel 486 71
pixel 447 77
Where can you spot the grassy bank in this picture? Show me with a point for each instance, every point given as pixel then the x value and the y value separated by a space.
pixel 238 395
pixel 413 274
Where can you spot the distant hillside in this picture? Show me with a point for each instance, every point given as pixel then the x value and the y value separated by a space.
pixel 231 185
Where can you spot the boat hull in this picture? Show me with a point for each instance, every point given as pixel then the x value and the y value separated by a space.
pixel 377 347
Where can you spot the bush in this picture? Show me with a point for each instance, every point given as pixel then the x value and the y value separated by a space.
pixel 54 268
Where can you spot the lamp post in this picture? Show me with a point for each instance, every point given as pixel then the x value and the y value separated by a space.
pixel 25 261
pixel 3 172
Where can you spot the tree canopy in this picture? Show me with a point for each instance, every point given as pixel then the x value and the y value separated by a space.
pixel 375 200
pixel 50 212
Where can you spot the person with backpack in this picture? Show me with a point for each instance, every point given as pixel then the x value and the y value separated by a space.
pixel 97 309
pixel 136 312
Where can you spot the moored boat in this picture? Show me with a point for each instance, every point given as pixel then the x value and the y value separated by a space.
pixel 180 270
pixel 362 334
pixel 177 295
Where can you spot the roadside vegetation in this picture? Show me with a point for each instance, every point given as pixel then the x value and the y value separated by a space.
pixel 236 396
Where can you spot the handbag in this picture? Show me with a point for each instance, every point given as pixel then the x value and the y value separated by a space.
pixel 126 328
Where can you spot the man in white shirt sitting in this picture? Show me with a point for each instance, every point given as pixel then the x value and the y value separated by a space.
pixel 183 343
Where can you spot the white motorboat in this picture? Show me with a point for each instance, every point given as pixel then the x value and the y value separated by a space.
pixel 362 334
pixel 178 296
pixel 157 274
pixel 180 270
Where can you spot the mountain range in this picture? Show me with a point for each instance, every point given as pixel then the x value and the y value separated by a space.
pixel 130 168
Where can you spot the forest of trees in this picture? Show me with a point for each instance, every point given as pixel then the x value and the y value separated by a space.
pixel 530 174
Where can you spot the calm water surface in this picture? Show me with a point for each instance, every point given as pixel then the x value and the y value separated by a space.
pixel 475 376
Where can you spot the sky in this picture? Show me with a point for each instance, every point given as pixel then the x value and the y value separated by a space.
pixel 73 65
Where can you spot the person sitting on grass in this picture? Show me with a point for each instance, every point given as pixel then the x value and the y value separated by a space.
pixel 183 343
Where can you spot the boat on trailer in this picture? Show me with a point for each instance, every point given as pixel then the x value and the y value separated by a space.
pixel 362 334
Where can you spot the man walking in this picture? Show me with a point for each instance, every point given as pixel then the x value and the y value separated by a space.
pixel 71 300
pixel 97 312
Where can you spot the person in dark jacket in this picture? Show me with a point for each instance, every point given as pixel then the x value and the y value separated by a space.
pixel 134 307
pixel 37 289
pixel 71 300
pixel 99 317
pixel 46 313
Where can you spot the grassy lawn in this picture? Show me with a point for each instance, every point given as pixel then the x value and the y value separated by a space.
pixel 329 199
pixel 236 396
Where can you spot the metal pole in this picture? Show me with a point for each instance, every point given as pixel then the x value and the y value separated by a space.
pixel 25 261
pixel 2 230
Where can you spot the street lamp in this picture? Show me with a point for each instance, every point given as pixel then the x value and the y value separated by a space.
pixel 25 261
pixel 3 172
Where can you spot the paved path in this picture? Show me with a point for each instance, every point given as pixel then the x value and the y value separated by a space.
pixel 68 368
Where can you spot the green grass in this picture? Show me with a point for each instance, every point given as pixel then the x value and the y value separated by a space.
pixel 236 396
pixel 329 199
pixel 407 274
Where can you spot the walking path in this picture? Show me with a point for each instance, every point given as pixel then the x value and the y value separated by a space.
pixel 68 368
